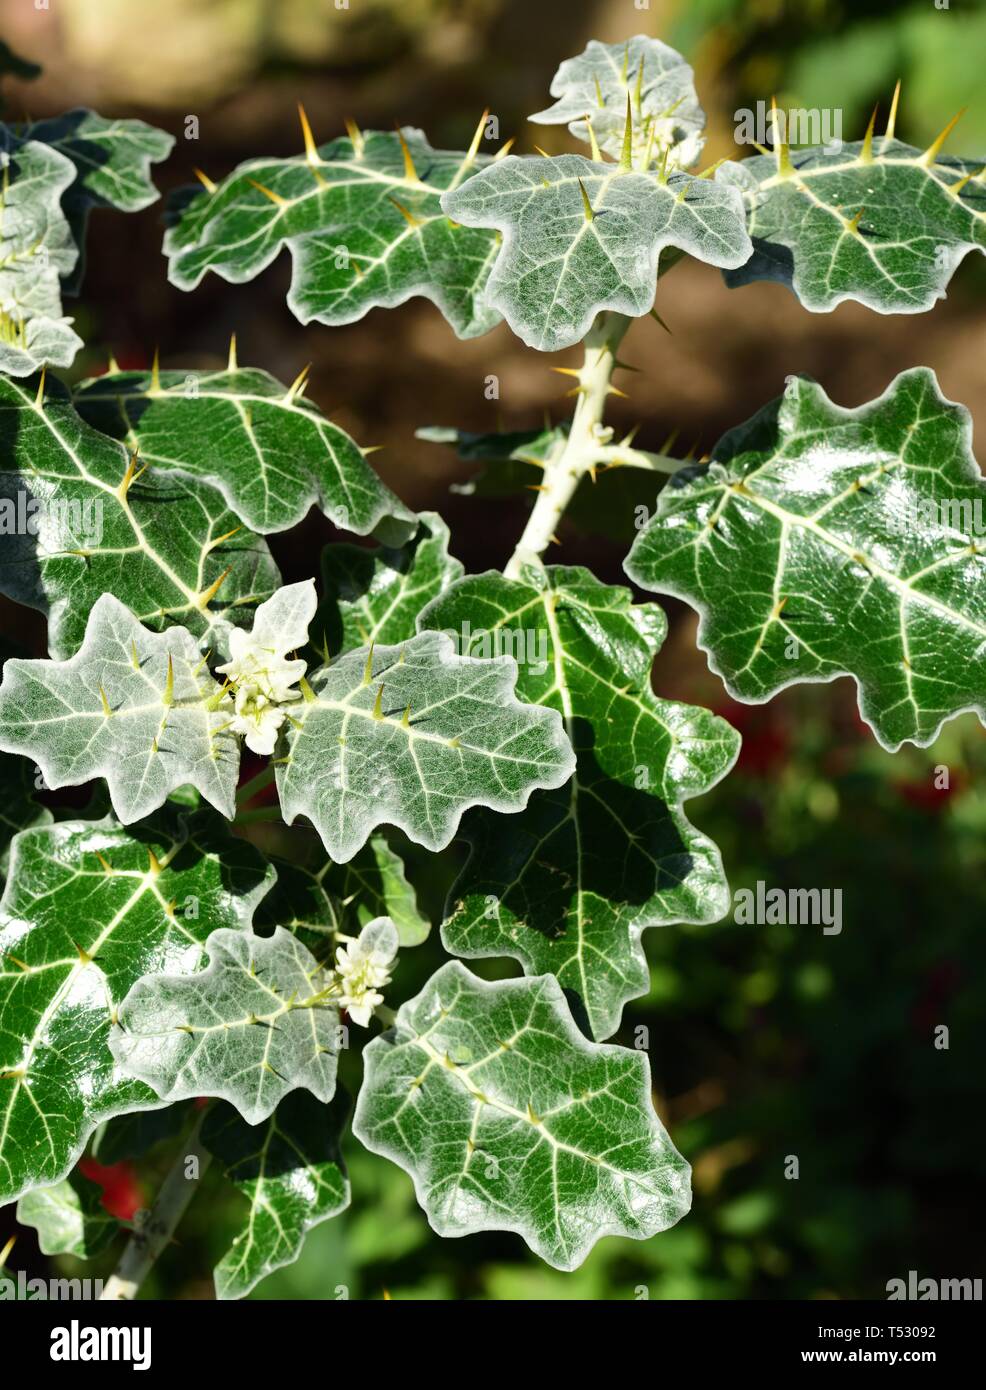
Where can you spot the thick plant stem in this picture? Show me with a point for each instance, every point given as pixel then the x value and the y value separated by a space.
pixel 147 1243
pixel 581 450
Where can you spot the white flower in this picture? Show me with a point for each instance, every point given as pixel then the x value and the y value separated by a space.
pixel 261 678
pixel 363 969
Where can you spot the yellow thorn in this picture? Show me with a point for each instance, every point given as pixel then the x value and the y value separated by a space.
pixel 473 149
pixel 626 60
pixel 543 153
pixel 454 743
pixel 324 649
pixel 405 717
pixel 387 1296
pixel 534 1118
pixel 356 137
pixel 784 166
pixel 568 371
pixel 205 181
pixel 107 867
pixel 168 698
pixel 5 1252
pixel 107 712
pixel 866 153
pixel 207 595
pixel 372 449
pixel 626 157
pixel 155 386
pixel 368 668
pixel 934 149
pixel 112 365
pixel 410 217
pixel 268 192
pixel 297 387
pixel 959 184
pixel 311 149
pixel 39 398
pixel 153 865
pixel 662 171
pixel 356 267
pixel 219 539
pixel 615 391
pixel 630 435
pixel 200 664
pixel 639 90
pixel 134 661
pixel 712 170
pixel 852 225
pixel 231 363
pixel 84 957
pixel 504 150
pixel 589 214
pixel 892 118
pixel 307 691
pixel 599 94
pixel 594 149
pixel 410 173
pixel 130 476
pixel 378 703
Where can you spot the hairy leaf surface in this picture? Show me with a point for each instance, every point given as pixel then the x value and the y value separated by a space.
pixel 69 1217
pixel 569 885
pixel 580 237
pixel 822 542
pixel 271 453
pixel 508 1119
pixel 412 736
pixel 85 913
pixel 364 226
pixel 291 1172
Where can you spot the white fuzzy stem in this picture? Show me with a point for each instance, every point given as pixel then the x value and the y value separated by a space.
pixel 147 1243
pixel 581 451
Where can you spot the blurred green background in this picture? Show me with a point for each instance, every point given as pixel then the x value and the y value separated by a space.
pixel 765 1041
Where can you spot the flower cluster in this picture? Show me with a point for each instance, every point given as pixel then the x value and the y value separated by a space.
pixel 262 680
pixel 363 968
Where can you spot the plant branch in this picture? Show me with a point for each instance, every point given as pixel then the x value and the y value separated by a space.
pixel 155 1232
pixel 580 451
pixel 256 784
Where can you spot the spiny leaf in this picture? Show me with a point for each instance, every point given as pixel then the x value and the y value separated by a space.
pixel 507 1119
pixel 569 885
pixel 103 714
pixel 70 1218
pixel 667 118
pixel 85 913
pixel 254 1025
pixel 822 542
pixel 271 453
pixel 362 229
pixel 413 735
pixel 376 595
pixel 887 231
pixel 95 522
pixel 290 1170
pixel 558 268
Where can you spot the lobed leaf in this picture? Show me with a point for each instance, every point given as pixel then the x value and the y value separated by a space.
pixel 362 221
pixel 596 86
pixel 249 1028
pixel 580 237
pixel 88 909
pixel 69 1217
pixel 290 1170
pixel 412 736
pixel 132 706
pixel 568 886
pixel 83 520
pixel 822 542
pixel 507 1119
pixel 269 452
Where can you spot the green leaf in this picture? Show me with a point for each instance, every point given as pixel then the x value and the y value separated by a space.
pixel 36 248
pixel 508 1119
pixel 580 237
pixel 85 913
pixel 271 453
pixel 317 903
pixel 376 595
pixel 250 1028
pixel 290 1170
pixel 822 542
pixel 412 736
pixel 81 521
pixel 364 230
pixel 881 226
pixel 133 706
pixel 568 886
pixel 660 86
pixel 18 808
pixel 70 1218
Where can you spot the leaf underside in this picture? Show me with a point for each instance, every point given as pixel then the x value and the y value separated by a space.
pixel 69 1217
pixel 508 1119
pixel 569 885
pixel 822 542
